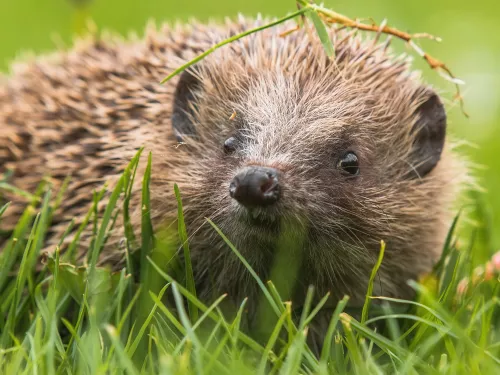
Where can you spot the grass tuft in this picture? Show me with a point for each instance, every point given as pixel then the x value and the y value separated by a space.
pixel 90 319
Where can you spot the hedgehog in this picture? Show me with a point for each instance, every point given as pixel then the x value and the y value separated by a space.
pixel 266 135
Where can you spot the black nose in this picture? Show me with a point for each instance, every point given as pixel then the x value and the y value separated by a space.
pixel 255 186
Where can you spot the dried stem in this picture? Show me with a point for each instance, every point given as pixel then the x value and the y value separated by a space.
pixel 333 18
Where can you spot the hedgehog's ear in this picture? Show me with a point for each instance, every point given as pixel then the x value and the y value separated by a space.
pixel 430 134
pixel 185 104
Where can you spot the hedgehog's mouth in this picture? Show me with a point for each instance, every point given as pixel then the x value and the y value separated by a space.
pixel 261 218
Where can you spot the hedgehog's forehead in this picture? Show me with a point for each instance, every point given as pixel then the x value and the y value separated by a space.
pixel 298 54
pixel 282 102
pixel 279 118
pixel 310 81
pixel 276 100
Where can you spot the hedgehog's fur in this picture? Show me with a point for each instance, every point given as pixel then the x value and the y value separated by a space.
pixel 85 113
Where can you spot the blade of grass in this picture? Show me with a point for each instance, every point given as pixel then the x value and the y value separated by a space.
pixel 325 351
pixel 230 40
pixel 235 328
pixel 131 172
pixel 146 226
pixel 190 284
pixel 169 314
pixel 295 353
pixel 130 351
pixel 43 225
pixel 123 320
pixel 418 304
pixel 443 329
pixel 249 268
pixel 189 329
pixel 382 342
pixel 17 191
pixel 366 306
pixel 71 252
pixel 447 245
pixel 322 33
pixel 199 321
pixel 306 307
pixel 4 208
pixel 273 338
pixel 113 199
pixel 126 362
pixel 277 298
pixel 75 332
pixel 316 310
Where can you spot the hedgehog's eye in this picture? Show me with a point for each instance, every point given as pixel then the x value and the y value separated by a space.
pixel 349 164
pixel 230 145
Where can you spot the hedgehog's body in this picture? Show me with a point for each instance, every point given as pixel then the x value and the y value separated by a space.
pixel 311 121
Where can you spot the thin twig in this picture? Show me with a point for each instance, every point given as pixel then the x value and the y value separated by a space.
pixel 330 17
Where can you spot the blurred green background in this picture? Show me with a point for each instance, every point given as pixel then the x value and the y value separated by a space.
pixel 471 47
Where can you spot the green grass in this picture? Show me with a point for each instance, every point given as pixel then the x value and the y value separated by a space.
pixel 89 320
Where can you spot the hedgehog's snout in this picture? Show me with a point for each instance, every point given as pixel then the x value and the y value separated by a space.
pixel 255 186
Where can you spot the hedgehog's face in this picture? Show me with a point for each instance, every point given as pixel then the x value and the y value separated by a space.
pixel 328 154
